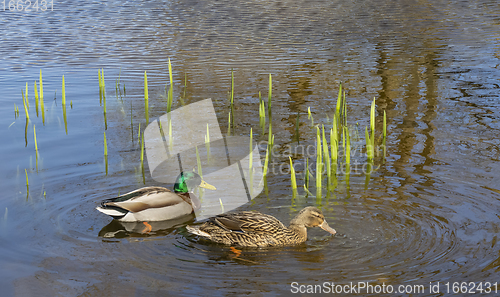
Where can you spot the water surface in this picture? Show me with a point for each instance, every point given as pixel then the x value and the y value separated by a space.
pixel 428 214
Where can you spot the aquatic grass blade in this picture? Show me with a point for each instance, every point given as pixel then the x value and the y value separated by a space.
pixel 146 97
pixel 198 163
pixel 319 163
pixel 36 98
pixel 266 164
pixel 339 101
pixel 369 155
pixel 270 139
pixel 326 157
pixel 171 88
pixel 34 136
pixel 293 177
pixel 310 116
pixel 139 134
pixel 27 98
pixel 348 147
pixel 25 107
pixel 105 145
pixel 232 88
pixel 100 86
pixel 142 150
pixel 372 117
pixel 63 92
pixel 42 107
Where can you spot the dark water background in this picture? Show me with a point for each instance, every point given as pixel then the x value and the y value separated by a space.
pixel 428 214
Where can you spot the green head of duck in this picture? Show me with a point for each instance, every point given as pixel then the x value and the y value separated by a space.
pixel 188 181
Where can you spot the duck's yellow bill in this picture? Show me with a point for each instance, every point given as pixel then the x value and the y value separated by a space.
pixel 205 185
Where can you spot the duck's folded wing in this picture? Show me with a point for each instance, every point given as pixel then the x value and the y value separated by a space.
pixel 248 222
pixel 150 200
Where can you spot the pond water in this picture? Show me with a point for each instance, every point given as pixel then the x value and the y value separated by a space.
pixel 428 214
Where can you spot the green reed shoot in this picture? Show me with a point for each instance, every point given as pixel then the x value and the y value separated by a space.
pixel 26 132
pixel 207 141
pixel 372 118
pixel 100 86
pixel 16 111
pixel 266 164
pixel 369 154
pixel 131 122
pixel 162 133
pixel 105 145
pixel 27 98
pixel 309 116
pixel 372 126
pixel 339 101
pixel 221 206
pixel 334 143
pixel 146 97
pixel 34 135
pixel 347 147
pixel 293 177
pixel 41 98
pixel 36 98
pixel 198 162
pixel 170 135
pixel 229 124
pixel 63 92
pixel 271 139
pixel 103 88
pixel 232 89
pixel 319 164
pixel 139 134
pixel 25 107
pixel 384 132
pixel 262 113
pixel 171 89
pixel 307 174
pixel 262 107
pixel 142 151
pixel 326 156
pixel 65 119
pixel 27 181
pixel 344 121
pixel 207 136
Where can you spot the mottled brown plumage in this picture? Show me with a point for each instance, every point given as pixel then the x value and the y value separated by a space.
pixel 255 229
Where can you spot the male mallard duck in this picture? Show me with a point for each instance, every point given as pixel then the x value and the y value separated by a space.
pixel 157 203
pixel 255 229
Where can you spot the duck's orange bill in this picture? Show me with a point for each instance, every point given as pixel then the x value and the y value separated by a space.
pixel 327 228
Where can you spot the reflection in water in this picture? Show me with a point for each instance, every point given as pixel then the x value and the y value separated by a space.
pixel 426 215
pixel 117 229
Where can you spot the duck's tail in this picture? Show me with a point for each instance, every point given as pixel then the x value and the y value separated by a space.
pixel 115 212
pixel 196 231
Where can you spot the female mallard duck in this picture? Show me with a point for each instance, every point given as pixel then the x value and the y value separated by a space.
pixel 255 229
pixel 157 203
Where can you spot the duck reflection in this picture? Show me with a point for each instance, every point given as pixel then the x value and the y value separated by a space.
pixel 118 229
